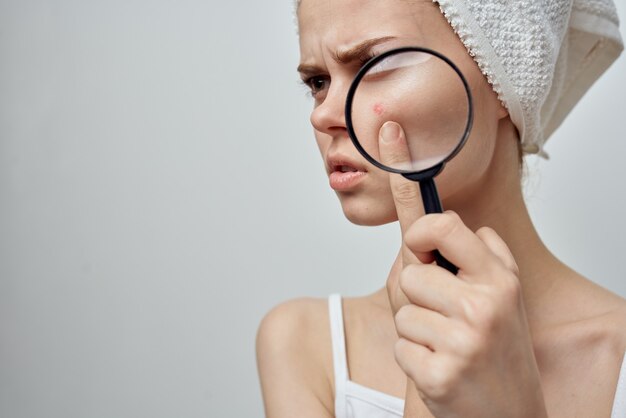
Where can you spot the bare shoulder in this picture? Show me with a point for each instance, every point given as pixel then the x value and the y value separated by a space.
pixel 600 326
pixel 615 321
pixel 606 321
pixel 580 351
pixel 294 359
pixel 617 318
pixel 295 325
pixel 591 315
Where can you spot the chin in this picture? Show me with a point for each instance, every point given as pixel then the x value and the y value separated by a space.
pixel 367 213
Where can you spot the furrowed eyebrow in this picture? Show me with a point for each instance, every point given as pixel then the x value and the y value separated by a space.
pixel 357 51
pixel 347 56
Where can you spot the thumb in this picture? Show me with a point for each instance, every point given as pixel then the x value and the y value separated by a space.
pixel 394 153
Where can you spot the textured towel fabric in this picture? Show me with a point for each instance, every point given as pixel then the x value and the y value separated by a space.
pixel 540 56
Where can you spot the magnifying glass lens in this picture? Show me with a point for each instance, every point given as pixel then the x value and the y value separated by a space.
pixel 424 95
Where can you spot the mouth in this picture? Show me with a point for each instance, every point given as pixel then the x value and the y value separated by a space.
pixel 345 169
pixel 345 175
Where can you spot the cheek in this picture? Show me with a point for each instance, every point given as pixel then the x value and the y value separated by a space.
pixel 468 169
pixel 430 104
pixel 368 115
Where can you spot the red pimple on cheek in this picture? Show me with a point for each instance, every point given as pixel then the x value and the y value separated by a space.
pixel 378 109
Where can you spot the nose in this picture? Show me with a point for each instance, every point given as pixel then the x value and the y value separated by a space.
pixel 328 117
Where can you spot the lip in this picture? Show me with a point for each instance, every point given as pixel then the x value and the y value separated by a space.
pixel 344 173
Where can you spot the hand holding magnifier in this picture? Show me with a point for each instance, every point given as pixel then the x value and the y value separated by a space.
pixel 421 97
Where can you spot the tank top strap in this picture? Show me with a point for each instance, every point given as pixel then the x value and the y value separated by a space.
pixel 340 365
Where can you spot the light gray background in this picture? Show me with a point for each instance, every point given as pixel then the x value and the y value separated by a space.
pixel 160 190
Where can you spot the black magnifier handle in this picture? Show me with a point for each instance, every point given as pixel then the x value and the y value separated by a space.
pixel 432 204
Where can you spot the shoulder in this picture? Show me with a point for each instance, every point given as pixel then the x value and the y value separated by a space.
pixel 602 330
pixel 294 357
pixel 293 322
pixel 602 345
pixel 587 326
pixel 596 342
pixel 608 324
pixel 580 356
pixel 592 316
pixel 615 321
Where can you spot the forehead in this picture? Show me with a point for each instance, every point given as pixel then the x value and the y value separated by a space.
pixel 331 24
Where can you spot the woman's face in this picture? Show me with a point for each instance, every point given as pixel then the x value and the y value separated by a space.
pixel 336 38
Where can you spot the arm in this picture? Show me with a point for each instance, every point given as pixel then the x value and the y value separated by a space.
pixel 290 354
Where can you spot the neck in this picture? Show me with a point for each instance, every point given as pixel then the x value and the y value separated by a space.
pixel 499 204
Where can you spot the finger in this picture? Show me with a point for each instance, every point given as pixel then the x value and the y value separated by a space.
pixel 412 358
pixel 433 288
pixel 431 372
pixel 397 298
pixel 496 244
pixel 421 326
pixel 454 240
pixel 394 153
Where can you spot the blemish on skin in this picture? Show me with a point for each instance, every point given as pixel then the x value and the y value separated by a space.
pixel 378 109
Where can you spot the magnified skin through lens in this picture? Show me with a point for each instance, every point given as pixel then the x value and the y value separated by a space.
pixel 420 92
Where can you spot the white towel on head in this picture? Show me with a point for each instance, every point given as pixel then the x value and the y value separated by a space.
pixel 540 56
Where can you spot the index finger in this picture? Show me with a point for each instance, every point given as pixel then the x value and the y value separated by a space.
pixel 394 152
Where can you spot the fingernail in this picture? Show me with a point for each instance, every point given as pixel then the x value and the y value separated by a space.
pixel 389 133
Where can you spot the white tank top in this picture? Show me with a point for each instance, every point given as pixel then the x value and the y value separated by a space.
pixel 356 401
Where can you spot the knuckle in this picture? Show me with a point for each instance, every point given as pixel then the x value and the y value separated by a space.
pixel 507 260
pixel 487 309
pixel 472 305
pixel 445 224
pixel 511 290
pixel 486 233
pixel 479 309
pixel 408 277
pixel 402 353
pixel 510 266
pixel 485 230
pixel 439 381
pixel 400 349
pixel 406 314
pixel 458 338
pixel 472 345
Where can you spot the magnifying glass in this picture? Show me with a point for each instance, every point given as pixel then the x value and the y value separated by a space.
pixel 423 93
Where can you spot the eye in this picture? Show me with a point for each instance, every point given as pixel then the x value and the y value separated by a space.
pixel 318 85
pixel 399 62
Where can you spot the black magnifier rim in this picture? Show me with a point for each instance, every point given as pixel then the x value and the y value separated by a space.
pixel 355 84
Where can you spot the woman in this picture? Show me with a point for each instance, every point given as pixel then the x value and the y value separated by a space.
pixel 515 333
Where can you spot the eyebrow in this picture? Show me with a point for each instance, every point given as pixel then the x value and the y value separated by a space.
pixel 347 56
pixel 357 51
